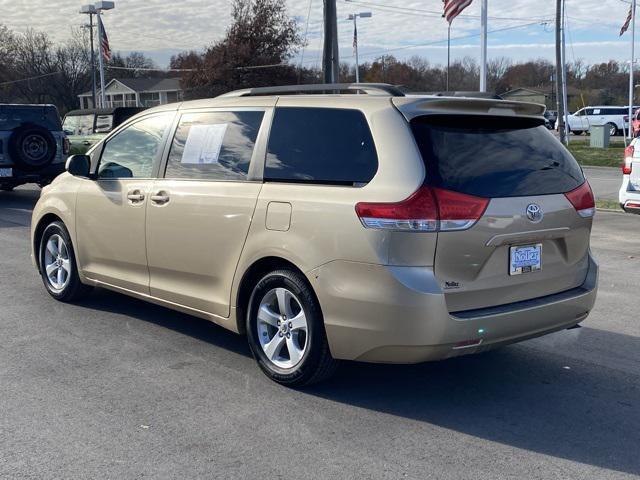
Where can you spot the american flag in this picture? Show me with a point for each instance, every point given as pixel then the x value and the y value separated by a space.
pixel 453 8
pixel 355 39
pixel 105 49
pixel 627 22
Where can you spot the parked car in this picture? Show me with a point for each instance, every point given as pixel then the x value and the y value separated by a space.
pixel 310 223
pixel 551 116
pixel 630 190
pixel 87 127
pixel 33 147
pixel 616 118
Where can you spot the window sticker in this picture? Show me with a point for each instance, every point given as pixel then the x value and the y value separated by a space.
pixel 204 144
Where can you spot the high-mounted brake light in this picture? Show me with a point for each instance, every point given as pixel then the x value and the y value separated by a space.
pixel 582 200
pixel 628 160
pixel 427 210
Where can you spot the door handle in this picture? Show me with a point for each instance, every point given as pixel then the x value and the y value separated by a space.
pixel 160 198
pixel 135 196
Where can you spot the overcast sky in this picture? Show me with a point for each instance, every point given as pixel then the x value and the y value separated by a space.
pixel 402 28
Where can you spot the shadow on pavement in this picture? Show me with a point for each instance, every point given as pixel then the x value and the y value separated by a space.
pixel 522 396
pixel 519 396
pixel 16 207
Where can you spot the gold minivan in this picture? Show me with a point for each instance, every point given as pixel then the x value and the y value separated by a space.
pixel 331 222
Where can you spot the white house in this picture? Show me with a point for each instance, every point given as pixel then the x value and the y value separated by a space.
pixel 136 92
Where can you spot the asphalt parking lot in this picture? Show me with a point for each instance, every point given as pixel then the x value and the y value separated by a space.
pixel 116 388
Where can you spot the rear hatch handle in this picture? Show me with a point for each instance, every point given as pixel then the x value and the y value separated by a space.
pixel 530 236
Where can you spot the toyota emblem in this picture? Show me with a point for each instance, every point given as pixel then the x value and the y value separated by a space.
pixel 534 213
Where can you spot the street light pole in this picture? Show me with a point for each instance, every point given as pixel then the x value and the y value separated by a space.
pixel 631 66
pixel 354 17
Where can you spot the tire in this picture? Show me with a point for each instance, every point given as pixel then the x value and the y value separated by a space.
pixel 613 129
pixel 7 188
pixel 65 286
pixel 307 358
pixel 32 147
pixel 576 132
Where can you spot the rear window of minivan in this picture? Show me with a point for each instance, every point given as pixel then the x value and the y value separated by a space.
pixel 494 157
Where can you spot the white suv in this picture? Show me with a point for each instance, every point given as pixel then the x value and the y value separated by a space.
pixel 615 117
pixel 630 189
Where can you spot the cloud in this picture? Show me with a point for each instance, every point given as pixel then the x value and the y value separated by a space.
pixel 158 27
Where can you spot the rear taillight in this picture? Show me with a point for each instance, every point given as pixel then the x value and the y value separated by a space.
pixel 66 146
pixel 582 200
pixel 427 210
pixel 628 159
pixel 626 118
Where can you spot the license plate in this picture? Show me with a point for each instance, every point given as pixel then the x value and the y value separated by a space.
pixel 525 259
pixel 6 172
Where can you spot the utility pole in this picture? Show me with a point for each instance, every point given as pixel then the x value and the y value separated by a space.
pixel 632 65
pixel 330 60
pixel 559 90
pixel 565 104
pixel 483 50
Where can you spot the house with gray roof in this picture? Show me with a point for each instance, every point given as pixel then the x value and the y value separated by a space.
pixel 137 92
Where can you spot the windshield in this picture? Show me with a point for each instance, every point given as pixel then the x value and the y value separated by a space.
pixel 78 125
pixel 494 156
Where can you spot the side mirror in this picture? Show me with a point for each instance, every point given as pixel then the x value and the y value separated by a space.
pixel 79 165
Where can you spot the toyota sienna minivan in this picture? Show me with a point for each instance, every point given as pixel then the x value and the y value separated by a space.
pixel 328 225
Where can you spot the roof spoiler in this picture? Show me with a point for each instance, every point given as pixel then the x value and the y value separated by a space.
pixel 414 107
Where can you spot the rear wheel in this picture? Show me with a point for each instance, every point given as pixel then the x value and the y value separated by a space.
pixel 58 265
pixel 285 329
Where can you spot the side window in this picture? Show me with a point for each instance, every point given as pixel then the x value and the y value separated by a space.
pixel 132 152
pixel 580 113
pixel 214 145
pixel 320 145
pixel 593 111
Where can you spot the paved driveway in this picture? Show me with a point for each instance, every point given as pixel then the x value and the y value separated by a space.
pixel 604 181
pixel 116 388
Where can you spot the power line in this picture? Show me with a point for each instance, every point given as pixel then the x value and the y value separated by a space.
pixel 425 13
pixel 464 37
pixel 109 67
pixel 29 78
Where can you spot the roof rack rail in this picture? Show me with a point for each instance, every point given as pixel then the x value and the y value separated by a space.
pixel 369 88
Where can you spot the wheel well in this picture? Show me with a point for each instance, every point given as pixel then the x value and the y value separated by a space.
pixel 252 276
pixel 42 224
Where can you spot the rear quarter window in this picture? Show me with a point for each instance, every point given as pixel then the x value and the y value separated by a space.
pixel 494 157
pixel 320 145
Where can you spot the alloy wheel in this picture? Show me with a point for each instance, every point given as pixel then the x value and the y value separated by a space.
pixel 57 263
pixel 282 328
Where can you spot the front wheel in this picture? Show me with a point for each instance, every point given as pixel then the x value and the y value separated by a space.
pixel 58 265
pixel 285 330
pixel 613 129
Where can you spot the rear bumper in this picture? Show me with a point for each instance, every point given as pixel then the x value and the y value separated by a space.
pixel 629 197
pixel 399 315
pixel 20 177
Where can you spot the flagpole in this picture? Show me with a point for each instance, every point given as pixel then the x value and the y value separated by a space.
pixel 355 44
pixel 101 61
pixel 632 65
pixel 483 50
pixel 448 54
